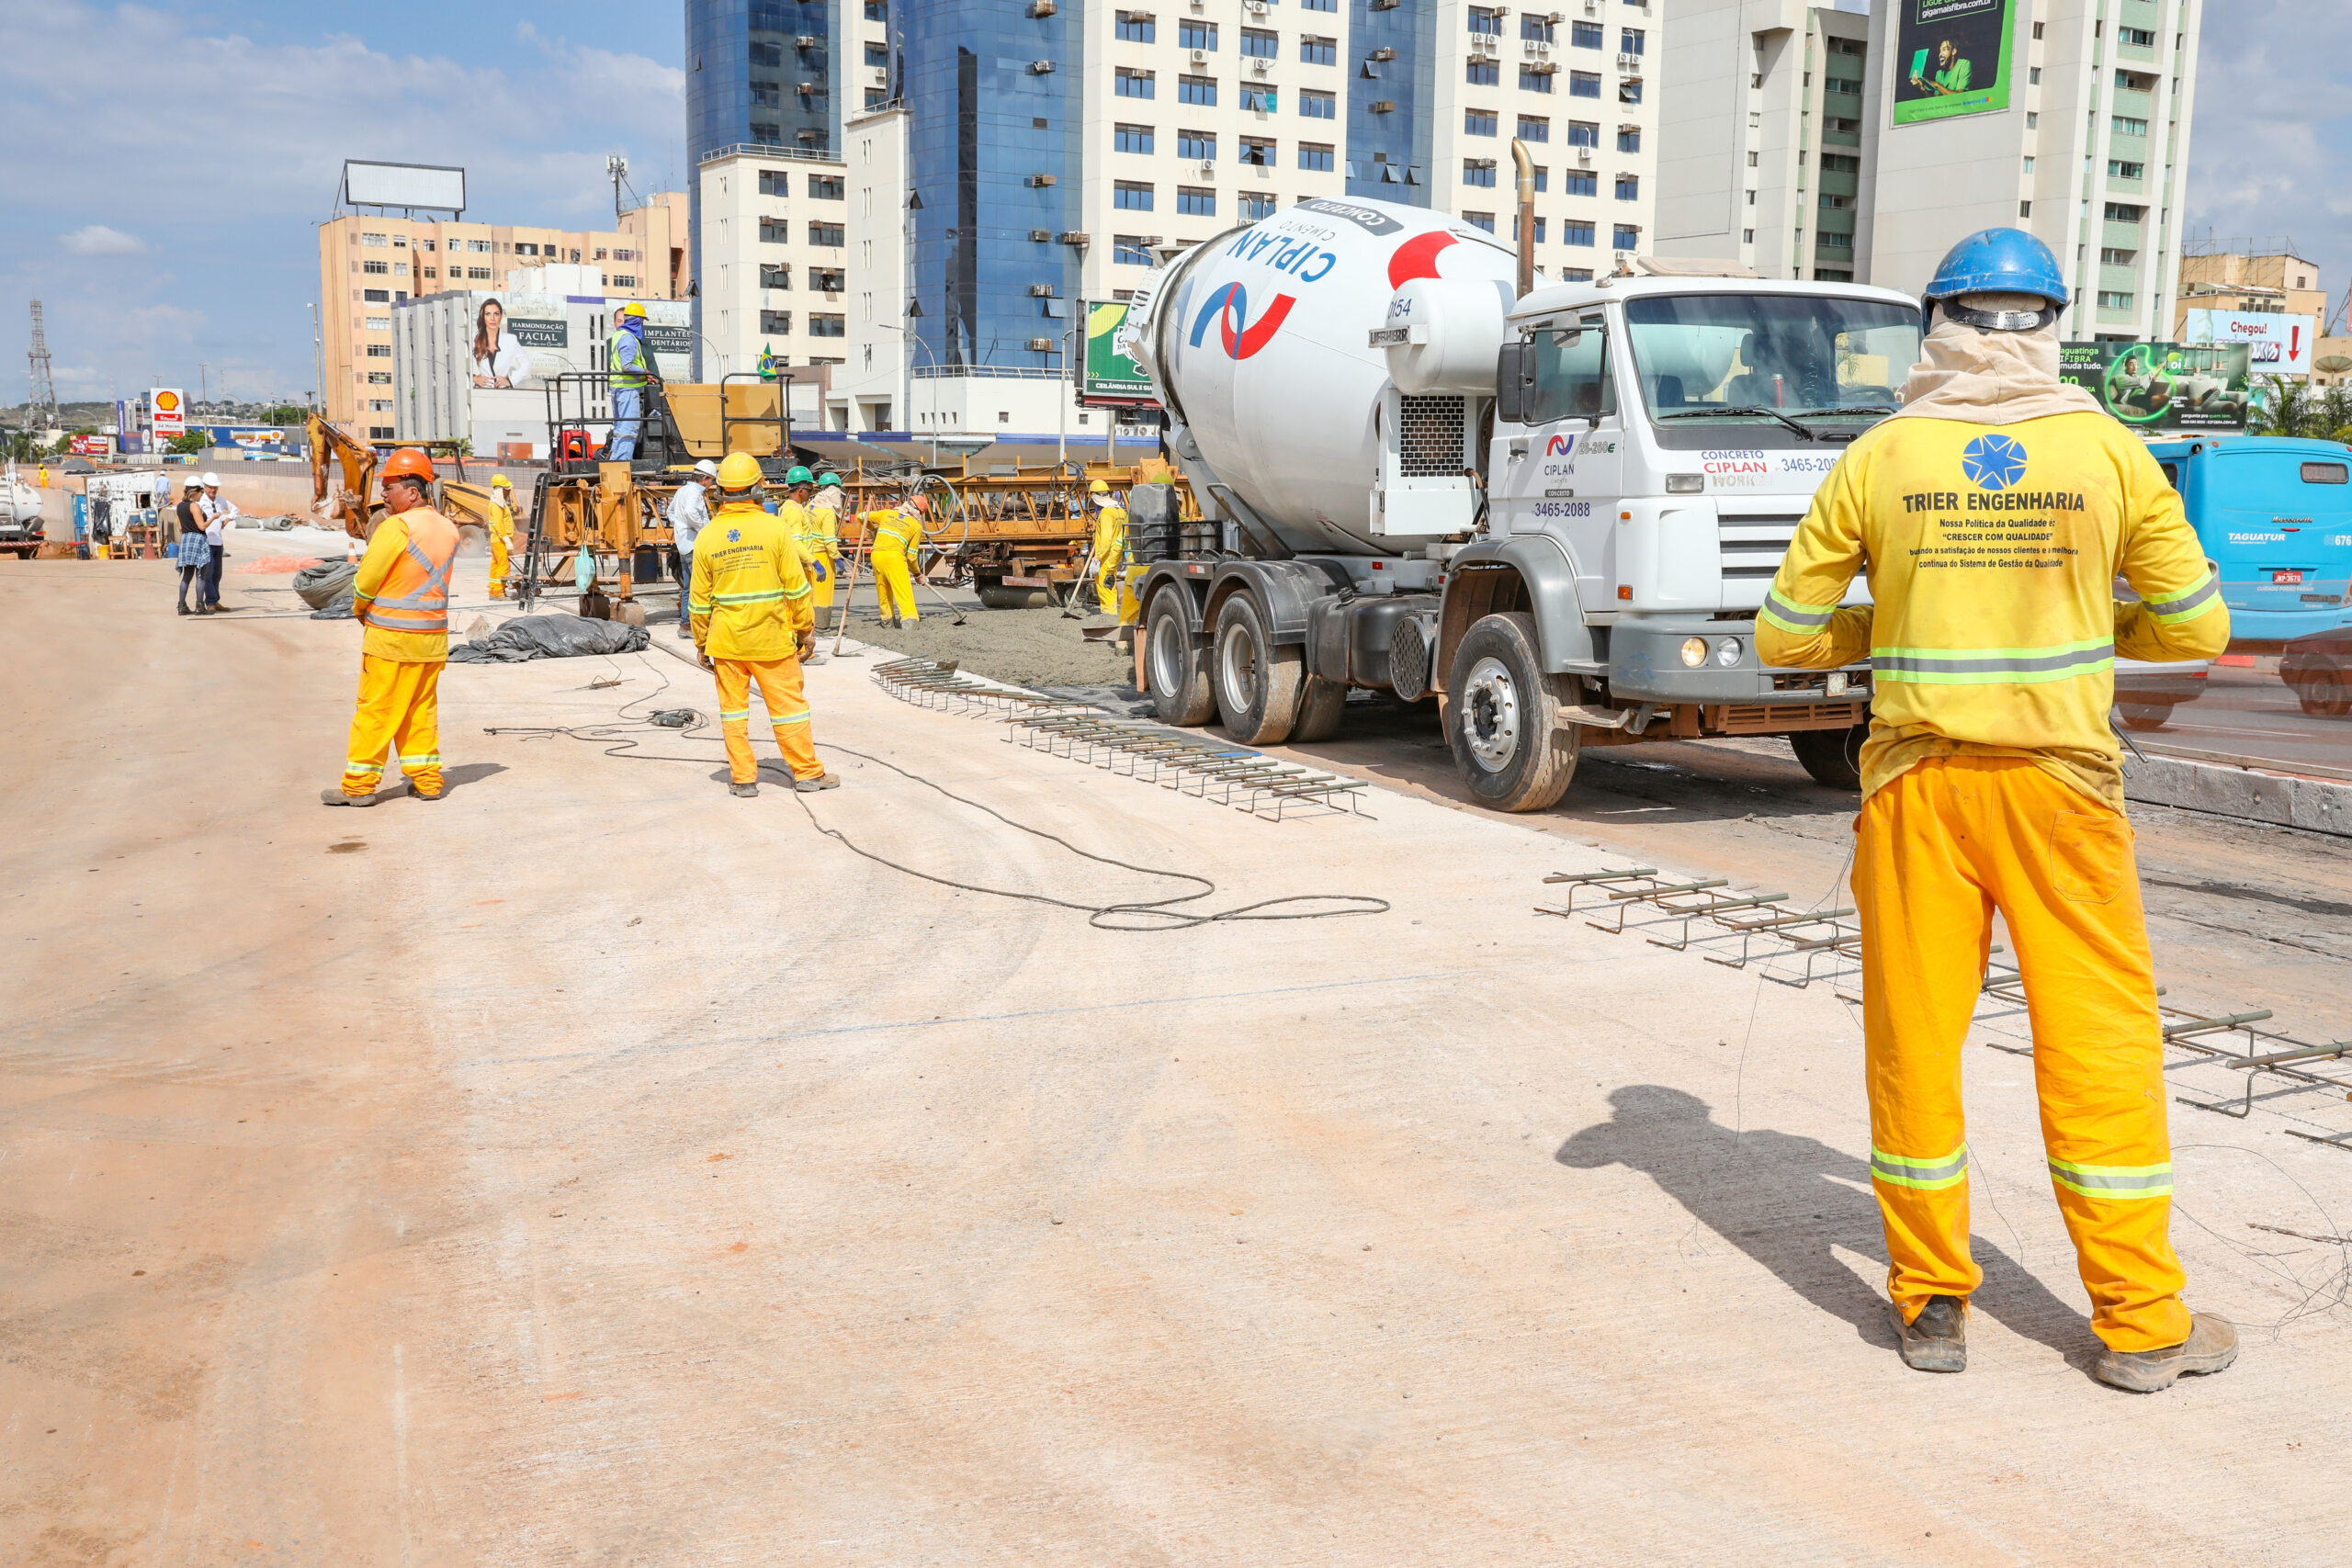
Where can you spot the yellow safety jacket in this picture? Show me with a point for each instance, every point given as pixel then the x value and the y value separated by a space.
pixel 893 529
pixel 1110 534
pixel 808 536
pixel 1992 552
pixel 820 536
pixel 749 597
pixel 402 593
pixel 501 520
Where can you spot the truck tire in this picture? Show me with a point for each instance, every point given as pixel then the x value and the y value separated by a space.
pixel 2144 715
pixel 1503 717
pixel 1833 757
pixel 1257 684
pixel 1175 672
pixel 2324 693
pixel 995 595
pixel 1320 702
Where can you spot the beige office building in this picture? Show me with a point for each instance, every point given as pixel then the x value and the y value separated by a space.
pixel 368 262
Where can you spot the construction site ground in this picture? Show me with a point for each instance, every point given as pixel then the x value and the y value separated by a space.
pixel 593 1166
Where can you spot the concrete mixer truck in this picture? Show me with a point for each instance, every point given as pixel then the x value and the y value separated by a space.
pixel 1556 515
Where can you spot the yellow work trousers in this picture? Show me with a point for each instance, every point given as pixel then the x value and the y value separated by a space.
pixel 498 566
pixel 1106 583
pixel 400 708
pixel 893 584
pixel 822 570
pixel 1937 851
pixel 780 689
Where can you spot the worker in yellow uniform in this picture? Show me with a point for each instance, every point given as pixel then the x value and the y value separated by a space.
pixel 824 537
pixel 502 532
pixel 401 596
pixel 1991 515
pixel 750 603
pixel 1109 545
pixel 894 548
pixel 800 486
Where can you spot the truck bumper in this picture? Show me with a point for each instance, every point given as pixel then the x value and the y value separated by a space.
pixel 1645 665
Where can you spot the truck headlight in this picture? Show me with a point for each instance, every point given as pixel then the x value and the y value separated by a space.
pixel 1694 651
pixel 1685 484
pixel 1727 652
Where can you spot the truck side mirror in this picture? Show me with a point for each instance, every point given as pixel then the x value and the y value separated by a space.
pixel 1510 382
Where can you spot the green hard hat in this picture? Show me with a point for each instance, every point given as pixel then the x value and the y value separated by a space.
pixel 798 475
pixel 829 477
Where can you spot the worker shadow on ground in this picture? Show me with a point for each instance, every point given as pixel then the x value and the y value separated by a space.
pixel 1784 1201
pixel 466 774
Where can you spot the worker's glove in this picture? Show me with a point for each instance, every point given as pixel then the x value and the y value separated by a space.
pixel 704 659
pixel 808 645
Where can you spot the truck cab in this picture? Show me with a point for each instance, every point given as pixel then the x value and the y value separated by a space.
pixel 2275 516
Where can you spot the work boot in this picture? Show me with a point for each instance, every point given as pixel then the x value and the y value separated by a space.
pixel 1937 1341
pixel 810 786
pixel 334 796
pixel 186 611
pixel 814 658
pixel 2211 1345
pixel 748 791
pixel 417 793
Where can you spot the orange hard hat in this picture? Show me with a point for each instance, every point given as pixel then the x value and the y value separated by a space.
pixel 919 505
pixel 408 463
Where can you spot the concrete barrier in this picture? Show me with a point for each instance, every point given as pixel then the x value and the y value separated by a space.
pixel 2323 805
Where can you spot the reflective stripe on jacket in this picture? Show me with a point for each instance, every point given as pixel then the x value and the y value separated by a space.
pixel 749 597
pixel 625 359
pixel 402 591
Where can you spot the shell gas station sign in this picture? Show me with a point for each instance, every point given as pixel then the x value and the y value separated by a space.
pixel 168 409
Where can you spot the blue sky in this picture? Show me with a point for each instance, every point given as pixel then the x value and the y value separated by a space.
pixel 166 165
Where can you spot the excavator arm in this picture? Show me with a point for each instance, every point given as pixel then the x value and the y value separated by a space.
pixel 341 470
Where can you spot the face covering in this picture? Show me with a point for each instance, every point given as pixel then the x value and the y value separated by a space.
pixel 1990 378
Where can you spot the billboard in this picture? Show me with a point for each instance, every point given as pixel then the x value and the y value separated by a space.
pixel 435 188
pixel 91 445
pixel 1951 57
pixel 168 411
pixel 2281 344
pixel 2163 386
pixel 1109 377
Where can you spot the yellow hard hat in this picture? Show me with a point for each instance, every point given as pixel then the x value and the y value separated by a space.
pixel 502 482
pixel 1098 488
pixel 633 309
pixel 739 472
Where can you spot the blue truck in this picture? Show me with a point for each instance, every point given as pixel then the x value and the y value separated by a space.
pixel 2274 514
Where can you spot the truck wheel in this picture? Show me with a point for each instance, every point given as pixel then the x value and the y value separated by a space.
pixel 1503 717
pixel 1320 702
pixel 1257 684
pixel 1176 672
pixel 1833 757
pixel 2144 715
pixel 2324 692
pixel 995 595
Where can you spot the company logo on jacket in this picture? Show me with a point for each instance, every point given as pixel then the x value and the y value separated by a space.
pixel 1995 462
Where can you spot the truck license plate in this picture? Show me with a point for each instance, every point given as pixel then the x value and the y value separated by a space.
pixel 2285 578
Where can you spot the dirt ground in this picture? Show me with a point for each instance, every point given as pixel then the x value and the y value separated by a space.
pixel 594 1167
pixel 1027 648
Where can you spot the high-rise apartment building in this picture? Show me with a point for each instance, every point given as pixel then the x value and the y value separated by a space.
pixel 2065 117
pixel 1022 157
pixel 369 262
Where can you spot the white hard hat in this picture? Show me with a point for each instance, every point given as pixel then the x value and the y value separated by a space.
pixel 708 469
pixel 211 479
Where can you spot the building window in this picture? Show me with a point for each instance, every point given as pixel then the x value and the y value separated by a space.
pixel 877 56
pixel 1579 182
pixel 1584 84
pixel 379 323
pixel 821 188
pixel 1128 250
pixel 1257 204
pixel 766 53
pixel 1319 106
pixel 1534 28
pixel 1534 128
pixel 1196 89
pixel 2125 212
pixel 1583 133
pixel 1478 172
pixel 1840 163
pixel 2136 37
pixel 1190 34
pixel 1478 122
pixel 772 277
pixel 1632 41
pixel 828 280
pixel 1539 228
pixel 1576 231
pixel 1840 84
pixel 2109 300
pixel 777 322
pixel 1485 23
pixel 377 266
pixel 1627 237
pixel 2110 256
pixel 631 255
pixel 1130 83
pixel 481 248
pixel 1131 196
pixel 377 295
pixel 1748 236
pixel 1319 4
pixel 876 98
pixel 473 274
pixel 1629 139
pixel 1256 43
pixel 1257 152
pixel 2126 126
pixel 1534 78
pixel 1629 91
pixel 774 231
pixel 767 94
pixel 1135 139
pixel 2123 169
pixel 427 272
pixel 766 135
pixel 1139 26
pixel 1313 50
pixel 1542 177
pixel 826 234
pixel 379 405
pixel 828 326
pixel 379 377
pixel 2025 210
pixel 1587 35
pixel 1628 189
pixel 1576 274
pixel 375 239
pixel 1483 74
pixel 379 351
pixel 1260 100
pixel 1316 155
pixel 1195 201
pixel 1195 144
pixel 1480 221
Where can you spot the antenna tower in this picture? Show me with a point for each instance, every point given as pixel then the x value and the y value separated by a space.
pixel 40 410
pixel 618 167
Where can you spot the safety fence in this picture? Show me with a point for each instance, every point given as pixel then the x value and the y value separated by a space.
pixel 1794 947
pixel 1197 765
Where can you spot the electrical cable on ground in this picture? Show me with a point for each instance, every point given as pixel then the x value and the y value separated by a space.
pixel 626 736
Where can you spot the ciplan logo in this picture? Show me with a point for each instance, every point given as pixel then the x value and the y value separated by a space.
pixel 1229 309
pixel 1559 446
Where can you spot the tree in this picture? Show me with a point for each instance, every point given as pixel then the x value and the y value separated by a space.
pixel 193 442
pixel 286 413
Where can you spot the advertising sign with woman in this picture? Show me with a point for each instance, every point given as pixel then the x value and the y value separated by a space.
pixel 498 356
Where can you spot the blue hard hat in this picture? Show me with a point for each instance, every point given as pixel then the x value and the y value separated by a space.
pixel 1997 260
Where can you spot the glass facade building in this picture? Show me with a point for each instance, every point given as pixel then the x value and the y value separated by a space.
pixel 1390 100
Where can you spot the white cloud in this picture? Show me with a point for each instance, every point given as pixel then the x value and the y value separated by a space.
pixel 97 240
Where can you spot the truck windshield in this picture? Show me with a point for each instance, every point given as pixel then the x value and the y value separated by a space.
pixel 1763 362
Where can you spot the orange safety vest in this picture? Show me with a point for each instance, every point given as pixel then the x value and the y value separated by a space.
pixel 415 596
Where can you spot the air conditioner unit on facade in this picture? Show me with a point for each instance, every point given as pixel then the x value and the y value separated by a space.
pixel 1041 68
pixel 1208 171
pixel 807 40
pixel 1628 63
pixel 1078 237
pixel 1041 291
pixel 1040 182
pixel 1261 66
pixel 1200 57
pixel 1043 8
pixel 1584 156
pixel 1040 346
pixel 1041 236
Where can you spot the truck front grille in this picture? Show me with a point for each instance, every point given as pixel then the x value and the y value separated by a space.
pixel 1429 437
pixel 1754 542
